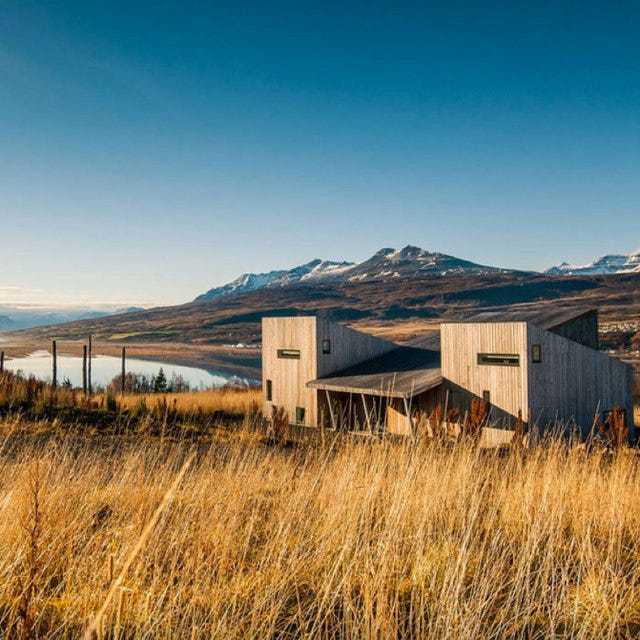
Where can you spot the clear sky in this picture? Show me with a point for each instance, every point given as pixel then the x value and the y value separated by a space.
pixel 151 150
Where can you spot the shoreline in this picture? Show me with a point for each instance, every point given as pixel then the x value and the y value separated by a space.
pixel 244 363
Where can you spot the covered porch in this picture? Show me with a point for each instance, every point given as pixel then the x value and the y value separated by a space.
pixel 381 395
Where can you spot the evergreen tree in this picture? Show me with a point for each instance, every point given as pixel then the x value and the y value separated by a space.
pixel 160 382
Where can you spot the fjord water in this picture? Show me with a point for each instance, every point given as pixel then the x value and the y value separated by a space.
pixel 105 368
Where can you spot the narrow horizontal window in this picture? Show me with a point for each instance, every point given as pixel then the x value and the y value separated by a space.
pixel 536 353
pixel 289 353
pixel 326 347
pixel 299 415
pixel 503 359
pixel 269 390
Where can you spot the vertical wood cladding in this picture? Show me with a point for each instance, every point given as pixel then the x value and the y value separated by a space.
pixel 306 334
pixel 289 375
pixel 507 385
pixel 583 329
pixel 572 380
pixel 348 347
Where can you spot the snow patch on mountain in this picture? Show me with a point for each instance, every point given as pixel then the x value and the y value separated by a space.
pixel 604 265
pixel 387 262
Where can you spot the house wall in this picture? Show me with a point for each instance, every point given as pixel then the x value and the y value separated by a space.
pixel 348 347
pixel 507 385
pixel 583 330
pixel 288 376
pixel 573 380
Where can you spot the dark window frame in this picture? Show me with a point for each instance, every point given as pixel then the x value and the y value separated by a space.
pixel 536 353
pixel 300 415
pixel 269 390
pixel 486 396
pixel 288 354
pixel 499 359
pixel 326 347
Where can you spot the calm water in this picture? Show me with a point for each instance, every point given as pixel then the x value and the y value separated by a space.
pixel 105 368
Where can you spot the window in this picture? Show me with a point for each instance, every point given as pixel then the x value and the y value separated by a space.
pixel 269 390
pixel 536 353
pixel 299 415
pixel 292 354
pixel 486 396
pixel 326 347
pixel 503 359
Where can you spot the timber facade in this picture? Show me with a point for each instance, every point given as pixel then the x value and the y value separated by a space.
pixel 536 369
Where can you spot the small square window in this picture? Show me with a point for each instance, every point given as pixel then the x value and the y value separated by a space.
pixel 326 347
pixel 269 390
pixel 299 415
pixel 536 353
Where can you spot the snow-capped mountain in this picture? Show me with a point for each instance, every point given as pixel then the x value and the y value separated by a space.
pixel 314 270
pixel 605 265
pixel 386 263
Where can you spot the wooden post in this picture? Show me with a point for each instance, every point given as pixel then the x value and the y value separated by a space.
pixel 1 361
pixel 84 369
pixel 407 409
pixel 333 418
pixel 366 413
pixel 55 364
pixel 89 368
pixel 123 370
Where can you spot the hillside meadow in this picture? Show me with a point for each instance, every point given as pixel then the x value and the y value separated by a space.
pixel 249 536
pixel 186 516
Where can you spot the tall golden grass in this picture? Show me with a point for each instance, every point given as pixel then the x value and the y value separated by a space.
pixel 228 400
pixel 349 539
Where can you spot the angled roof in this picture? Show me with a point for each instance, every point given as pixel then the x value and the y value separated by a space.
pixel 547 319
pixel 401 373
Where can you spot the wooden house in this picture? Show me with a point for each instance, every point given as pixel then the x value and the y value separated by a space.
pixel 542 366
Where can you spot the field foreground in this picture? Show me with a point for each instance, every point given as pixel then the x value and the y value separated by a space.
pixel 347 539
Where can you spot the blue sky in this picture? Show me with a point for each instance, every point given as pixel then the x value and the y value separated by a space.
pixel 151 150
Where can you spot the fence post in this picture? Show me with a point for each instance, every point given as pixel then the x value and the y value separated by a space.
pixel 123 370
pixel 84 369
pixel 89 368
pixel 55 364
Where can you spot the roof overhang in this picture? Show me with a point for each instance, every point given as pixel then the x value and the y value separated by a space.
pixel 385 387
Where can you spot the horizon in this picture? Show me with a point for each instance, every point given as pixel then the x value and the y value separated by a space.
pixel 151 153
pixel 37 300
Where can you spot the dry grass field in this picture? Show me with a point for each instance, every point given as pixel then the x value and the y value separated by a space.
pixel 342 539
pixel 230 401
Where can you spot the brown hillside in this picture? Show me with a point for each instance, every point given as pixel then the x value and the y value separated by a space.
pixel 398 308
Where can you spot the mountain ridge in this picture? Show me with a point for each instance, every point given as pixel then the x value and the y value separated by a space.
pixel 608 264
pixel 386 263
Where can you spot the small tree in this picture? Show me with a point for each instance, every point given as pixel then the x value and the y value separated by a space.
pixel 160 382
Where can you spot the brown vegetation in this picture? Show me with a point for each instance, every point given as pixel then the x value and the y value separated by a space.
pixel 31 404
pixel 354 539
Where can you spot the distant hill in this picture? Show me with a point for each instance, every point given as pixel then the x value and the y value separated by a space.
pixel 605 265
pixel 410 262
pixel 7 324
pixel 232 319
pixel 13 318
